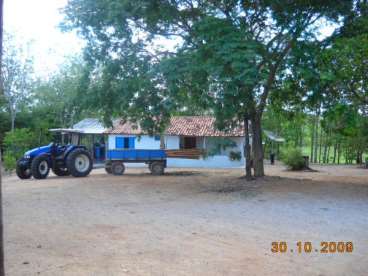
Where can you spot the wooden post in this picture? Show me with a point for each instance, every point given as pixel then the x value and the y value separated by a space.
pixel 2 269
pixel 2 266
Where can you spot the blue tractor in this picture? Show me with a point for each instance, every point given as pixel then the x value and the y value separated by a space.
pixel 62 160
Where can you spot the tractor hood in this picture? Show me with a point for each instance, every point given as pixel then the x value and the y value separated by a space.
pixel 37 151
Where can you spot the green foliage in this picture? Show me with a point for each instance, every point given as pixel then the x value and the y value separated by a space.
pixel 4 124
pixel 20 140
pixel 60 100
pixel 293 158
pixel 235 155
pixel 10 161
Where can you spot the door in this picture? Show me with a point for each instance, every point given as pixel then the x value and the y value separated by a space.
pixel 190 142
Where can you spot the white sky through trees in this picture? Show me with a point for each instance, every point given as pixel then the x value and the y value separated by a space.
pixel 36 21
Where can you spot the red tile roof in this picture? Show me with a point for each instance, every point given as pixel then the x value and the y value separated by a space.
pixel 198 126
pixel 182 126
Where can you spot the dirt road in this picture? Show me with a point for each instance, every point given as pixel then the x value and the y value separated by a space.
pixel 188 222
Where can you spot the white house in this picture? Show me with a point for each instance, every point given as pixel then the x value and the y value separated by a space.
pixel 223 149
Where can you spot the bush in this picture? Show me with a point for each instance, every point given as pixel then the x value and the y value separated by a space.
pixel 235 155
pixel 293 158
pixel 9 162
pixel 16 143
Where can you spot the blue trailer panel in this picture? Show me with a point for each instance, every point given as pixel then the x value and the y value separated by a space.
pixel 135 155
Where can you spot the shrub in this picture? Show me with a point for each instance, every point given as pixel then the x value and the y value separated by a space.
pixel 16 143
pixel 235 155
pixel 10 162
pixel 293 158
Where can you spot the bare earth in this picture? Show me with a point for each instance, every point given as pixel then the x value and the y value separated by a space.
pixel 187 222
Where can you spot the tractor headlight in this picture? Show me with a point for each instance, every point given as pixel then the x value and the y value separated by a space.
pixel 27 156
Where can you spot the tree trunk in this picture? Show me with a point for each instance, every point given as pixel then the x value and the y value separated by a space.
pixel 247 149
pixel 12 118
pixel 334 154
pixel 359 157
pixel 325 150
pixel 312 142
pixel 162 142
pixel 316 138
pixel 257 146
pixel 301 137
pixel 320 145
pixel 346 156
pixel 328 154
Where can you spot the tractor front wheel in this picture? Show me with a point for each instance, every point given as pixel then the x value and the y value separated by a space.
pixel 40 167
pixel 79 163
pixel 22 172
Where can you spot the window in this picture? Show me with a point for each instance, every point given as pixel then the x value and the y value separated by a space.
pixel 125 142
pixel 157 138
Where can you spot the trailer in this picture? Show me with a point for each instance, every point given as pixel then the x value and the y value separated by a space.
pixel 115 159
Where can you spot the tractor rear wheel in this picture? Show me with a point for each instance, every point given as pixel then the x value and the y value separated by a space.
pixel 117 168
pixel 60 171
pixel 157 168
pixel 22 172
pixel 40 166
pixel 79 163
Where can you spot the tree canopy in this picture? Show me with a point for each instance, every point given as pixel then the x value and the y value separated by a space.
pixel 230 54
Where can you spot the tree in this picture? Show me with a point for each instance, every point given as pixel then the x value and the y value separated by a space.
pixel 16 73
pixel 58 100
pixel 231 55
pixel 347 61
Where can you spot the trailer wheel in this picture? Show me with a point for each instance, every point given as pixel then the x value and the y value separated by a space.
pixel 23 173
pixel 79 163
pixel 108 170
pixel 157 168
pixel 117 168
pixel 40 167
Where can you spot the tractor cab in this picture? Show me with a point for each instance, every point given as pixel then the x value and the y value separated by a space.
pixel 93 142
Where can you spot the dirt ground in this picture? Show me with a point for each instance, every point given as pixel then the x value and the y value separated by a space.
pixel 187 222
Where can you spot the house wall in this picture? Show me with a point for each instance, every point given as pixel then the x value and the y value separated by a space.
pixel 218 161
pixel 141 142
pixel 172 142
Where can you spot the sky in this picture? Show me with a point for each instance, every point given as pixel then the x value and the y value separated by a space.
pixel 36 21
